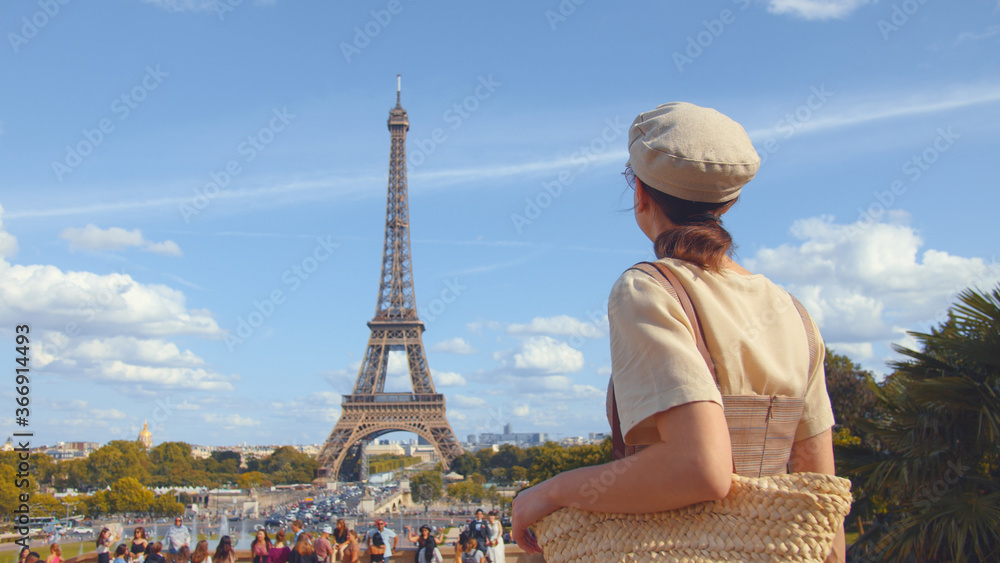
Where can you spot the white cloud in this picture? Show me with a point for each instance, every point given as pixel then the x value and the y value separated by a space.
pixel 319 406
pixel 230 421
pixel 865 284
pixel 562 325
pixel 8 243
pixel 448 379
pixel 857 351
pixel 166 248
pixel 974 36
pixel 851 113
pixel 183 5
pixel 548 355
pixel 468 402
pixel 203 5
pixel 153 362
pixel 521 410
pixel 104 304
pixel 95 238
pixel 815 9
pixel 114 414
pixel 130 348
pixel 173 377
pixel 124 321
pixel 455 345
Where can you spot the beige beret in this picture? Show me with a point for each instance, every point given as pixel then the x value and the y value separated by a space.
pixel 691 152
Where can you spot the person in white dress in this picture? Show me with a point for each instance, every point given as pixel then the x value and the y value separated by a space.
pixel 495 548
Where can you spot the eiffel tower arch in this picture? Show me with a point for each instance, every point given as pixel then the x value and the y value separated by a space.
pixel 369 412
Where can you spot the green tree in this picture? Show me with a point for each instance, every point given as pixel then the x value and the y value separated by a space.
pixel 286 466
pixel 517 473
pixel 96 505
pixel 466 464
pixel 253 480
pixel 117 459
pixel 171 463
pixel 166 506
pixel 73 473
pixel 508 456
pixel 939 465
pixel 466 491
pixel 485 457
pixel 9 492
pixel 44 469
pixel 44 504
pixel 852 394
pixel 426 487
pixel 129 495
pixel 499 475
pixel 550 459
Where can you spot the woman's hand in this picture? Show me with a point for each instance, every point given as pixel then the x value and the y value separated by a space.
pixel 529 506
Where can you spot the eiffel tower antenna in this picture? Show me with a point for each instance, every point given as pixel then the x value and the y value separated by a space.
pixel 369 412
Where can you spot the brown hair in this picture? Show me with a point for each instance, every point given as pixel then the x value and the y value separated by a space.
pixel 200 552
pixel 698 237
pixel 156 547
pixel 54 548
pixel 183 554
pixel 302 546
pixel 341 525
pixel 224 551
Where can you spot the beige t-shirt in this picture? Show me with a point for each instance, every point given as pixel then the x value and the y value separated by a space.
pixel 753 332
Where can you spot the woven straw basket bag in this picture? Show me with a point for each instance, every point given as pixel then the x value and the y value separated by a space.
pixel 767 515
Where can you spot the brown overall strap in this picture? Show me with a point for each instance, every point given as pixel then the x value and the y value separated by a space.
pixel 669 281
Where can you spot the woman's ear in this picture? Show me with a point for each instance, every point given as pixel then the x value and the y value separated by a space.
pixel 641 197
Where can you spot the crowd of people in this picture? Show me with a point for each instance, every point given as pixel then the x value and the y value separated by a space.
pixel 481 541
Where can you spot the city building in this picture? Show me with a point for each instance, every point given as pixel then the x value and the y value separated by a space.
pixel 511 437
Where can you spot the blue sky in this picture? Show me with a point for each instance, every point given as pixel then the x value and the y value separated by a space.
pixel 173 168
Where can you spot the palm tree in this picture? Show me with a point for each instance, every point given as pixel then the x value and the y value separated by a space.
pixel 938 465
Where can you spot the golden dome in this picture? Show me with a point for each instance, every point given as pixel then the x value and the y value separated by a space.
pixel 145 436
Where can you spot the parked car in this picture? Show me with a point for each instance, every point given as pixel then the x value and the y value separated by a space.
pixel 83 531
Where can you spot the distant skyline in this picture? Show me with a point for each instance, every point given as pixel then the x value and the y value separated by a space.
pixel 193 193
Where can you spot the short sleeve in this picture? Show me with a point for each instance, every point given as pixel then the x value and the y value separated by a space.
pixel 655 361
pixel 817 414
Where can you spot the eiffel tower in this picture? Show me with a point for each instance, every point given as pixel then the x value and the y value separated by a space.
pixel 369 412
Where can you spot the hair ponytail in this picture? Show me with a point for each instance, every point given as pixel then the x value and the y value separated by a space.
pixel 698 237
